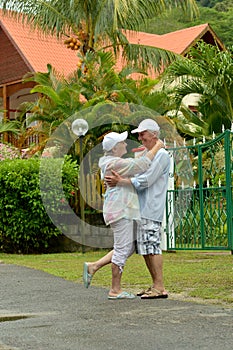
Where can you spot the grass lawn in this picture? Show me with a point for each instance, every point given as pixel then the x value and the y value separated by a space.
pixel 198 276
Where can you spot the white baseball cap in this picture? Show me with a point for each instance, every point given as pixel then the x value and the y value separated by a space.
pixel 110 140
pixel 146 124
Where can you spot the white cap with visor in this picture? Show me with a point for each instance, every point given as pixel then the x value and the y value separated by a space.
pixel 147 124
pixel 110 140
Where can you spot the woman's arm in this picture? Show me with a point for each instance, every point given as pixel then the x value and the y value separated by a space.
pixel 159 144
pixel 128 167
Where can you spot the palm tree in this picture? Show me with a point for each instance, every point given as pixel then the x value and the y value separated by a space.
pixel 207 72
pixel 57 100
pixel 9 126
pixel 93 25
pixel 102 83
pixel 60 98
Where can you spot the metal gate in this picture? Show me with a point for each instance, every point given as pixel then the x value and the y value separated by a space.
pixel 199 207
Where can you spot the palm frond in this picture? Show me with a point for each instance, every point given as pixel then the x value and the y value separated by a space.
pixel 146 56
pixel 10 126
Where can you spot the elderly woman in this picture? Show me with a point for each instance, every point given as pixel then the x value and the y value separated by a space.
pixel 120 209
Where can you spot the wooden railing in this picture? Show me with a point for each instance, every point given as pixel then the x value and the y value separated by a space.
pixel 94 190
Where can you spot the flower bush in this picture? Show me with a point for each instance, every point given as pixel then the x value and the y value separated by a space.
pixel 8 152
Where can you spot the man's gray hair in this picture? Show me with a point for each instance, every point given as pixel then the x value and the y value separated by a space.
pixel 156 133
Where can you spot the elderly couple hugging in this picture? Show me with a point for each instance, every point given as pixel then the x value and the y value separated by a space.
pixel 134 207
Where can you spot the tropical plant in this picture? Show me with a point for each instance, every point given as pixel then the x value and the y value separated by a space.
pixel 189 124
pixel 60 98
pixel 9 126
pixel 14 128
pixel 93 28
pixel 207 72
pixel 98 25
pixel 57 100
pixel 102 83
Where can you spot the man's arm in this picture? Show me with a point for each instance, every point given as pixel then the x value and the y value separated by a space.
pixel 143 180
pixel 116 179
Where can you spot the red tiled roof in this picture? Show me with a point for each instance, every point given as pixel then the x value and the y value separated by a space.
pixel 178 42
pixel 37 50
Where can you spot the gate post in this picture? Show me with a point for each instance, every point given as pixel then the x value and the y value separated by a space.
pixel 168 234
pixel 229 203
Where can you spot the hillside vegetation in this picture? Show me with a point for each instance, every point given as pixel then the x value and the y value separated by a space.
pixel 219 14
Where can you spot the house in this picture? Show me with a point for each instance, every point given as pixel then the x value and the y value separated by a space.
pixel 179 41
pixel 24 50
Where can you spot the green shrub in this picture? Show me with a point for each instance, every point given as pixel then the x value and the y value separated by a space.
pixel 24 224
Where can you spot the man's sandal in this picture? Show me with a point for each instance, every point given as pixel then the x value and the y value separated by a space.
pixel 153 293
pixel 144 291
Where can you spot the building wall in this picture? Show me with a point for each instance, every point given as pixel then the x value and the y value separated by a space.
pixel 12 66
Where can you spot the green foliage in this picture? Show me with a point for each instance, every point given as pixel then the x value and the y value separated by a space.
pixel 220 5
pixel 24 224
pixel 9 126
pixel 100 24
pixel 208 73
pixel 219 14
pixel 220 22
pixel 87 90
pixel 209 3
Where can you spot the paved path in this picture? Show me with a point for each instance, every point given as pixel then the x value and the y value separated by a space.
pixel 43 312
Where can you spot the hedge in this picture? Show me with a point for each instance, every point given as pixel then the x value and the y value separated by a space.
pixel 25 227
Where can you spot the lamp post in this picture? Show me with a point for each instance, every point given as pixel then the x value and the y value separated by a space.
pixel 80 128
